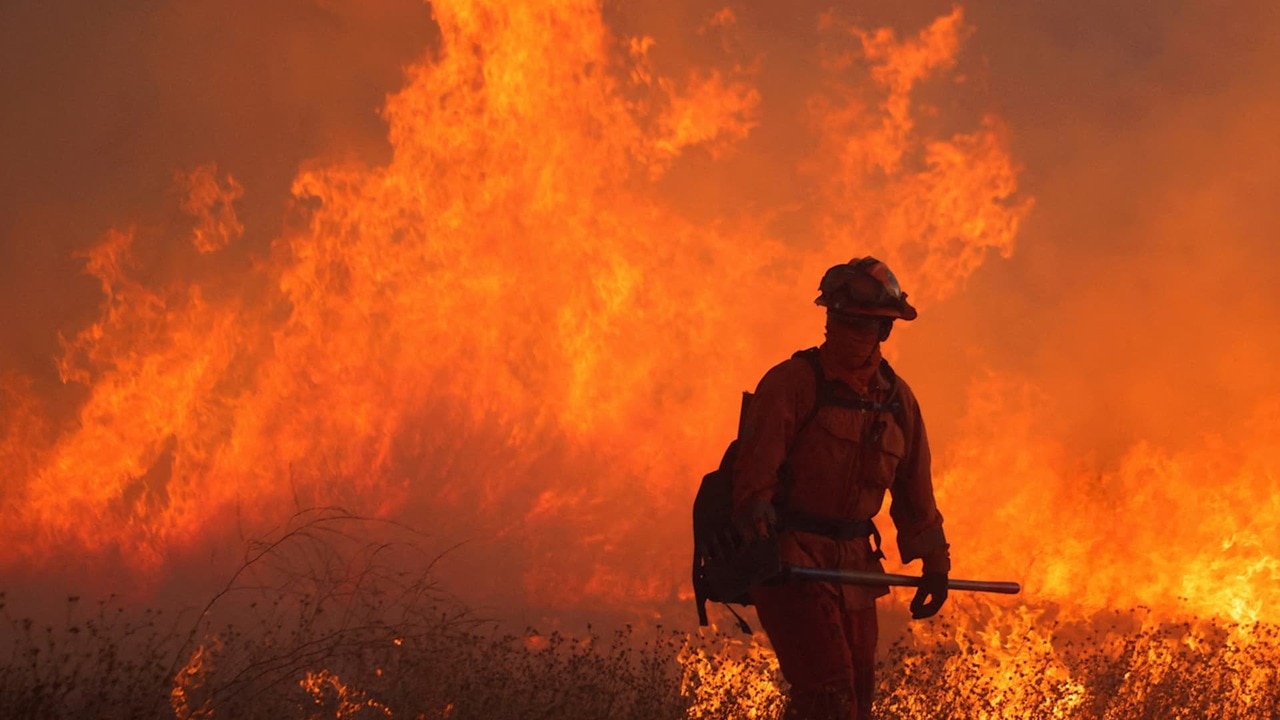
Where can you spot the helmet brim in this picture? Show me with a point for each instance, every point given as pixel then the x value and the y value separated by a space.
pixel 905 312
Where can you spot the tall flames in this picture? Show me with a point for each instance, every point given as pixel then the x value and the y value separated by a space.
pixel 518 329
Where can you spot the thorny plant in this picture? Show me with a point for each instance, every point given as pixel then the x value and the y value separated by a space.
pixel 320 623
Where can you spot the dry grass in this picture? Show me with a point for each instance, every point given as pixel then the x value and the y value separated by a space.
pixel 317 625
pixel 1125 667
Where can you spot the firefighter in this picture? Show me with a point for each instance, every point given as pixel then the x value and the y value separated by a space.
pixel 816 485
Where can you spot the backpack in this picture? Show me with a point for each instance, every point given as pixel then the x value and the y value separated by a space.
pixel 724 568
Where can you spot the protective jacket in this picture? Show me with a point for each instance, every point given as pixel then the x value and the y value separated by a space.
pixel 840 465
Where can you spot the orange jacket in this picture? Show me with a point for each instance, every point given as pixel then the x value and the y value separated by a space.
pixel 840 470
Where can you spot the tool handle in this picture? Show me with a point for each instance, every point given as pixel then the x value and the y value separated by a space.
pixel 860 577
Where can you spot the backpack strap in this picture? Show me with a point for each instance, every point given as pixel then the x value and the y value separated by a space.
pixel 894 400
pixel 825 395
pixel 825 390
pixel 827 386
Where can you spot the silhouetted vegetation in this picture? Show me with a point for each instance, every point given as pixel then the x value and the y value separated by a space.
pixel 318 624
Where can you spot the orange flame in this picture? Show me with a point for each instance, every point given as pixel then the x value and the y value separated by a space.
pixel 191 678
pixel 213 205
pixel 521 326
pixel 328 690
pixel 736 680
pixel 488 320
pixel 1154 531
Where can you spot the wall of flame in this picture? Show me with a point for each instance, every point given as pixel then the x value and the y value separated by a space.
pixel 524 318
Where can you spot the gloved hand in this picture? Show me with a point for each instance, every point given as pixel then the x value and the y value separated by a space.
pixel 930 595
pixel 758 519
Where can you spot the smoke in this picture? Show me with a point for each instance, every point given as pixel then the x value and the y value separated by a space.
pixel 1133 306
pixel 104 103
pixel 1139 298
pixel 1128 341
pixel 119 116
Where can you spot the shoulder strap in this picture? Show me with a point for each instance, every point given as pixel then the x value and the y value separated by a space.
pixel 826 390
pixel 823 394
pixel 892 399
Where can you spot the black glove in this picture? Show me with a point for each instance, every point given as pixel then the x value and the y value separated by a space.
pixel 930 595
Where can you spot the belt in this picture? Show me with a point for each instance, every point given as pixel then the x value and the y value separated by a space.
pixel 834 528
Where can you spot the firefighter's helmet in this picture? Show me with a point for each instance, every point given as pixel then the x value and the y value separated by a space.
pixel 864 286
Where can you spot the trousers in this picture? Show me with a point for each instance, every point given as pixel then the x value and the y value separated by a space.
pixel 826 651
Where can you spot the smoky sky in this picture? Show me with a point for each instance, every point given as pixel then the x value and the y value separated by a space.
pixel 1139 295
pixel 104 102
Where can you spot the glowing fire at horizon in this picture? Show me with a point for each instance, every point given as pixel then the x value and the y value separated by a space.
pixel 512 329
